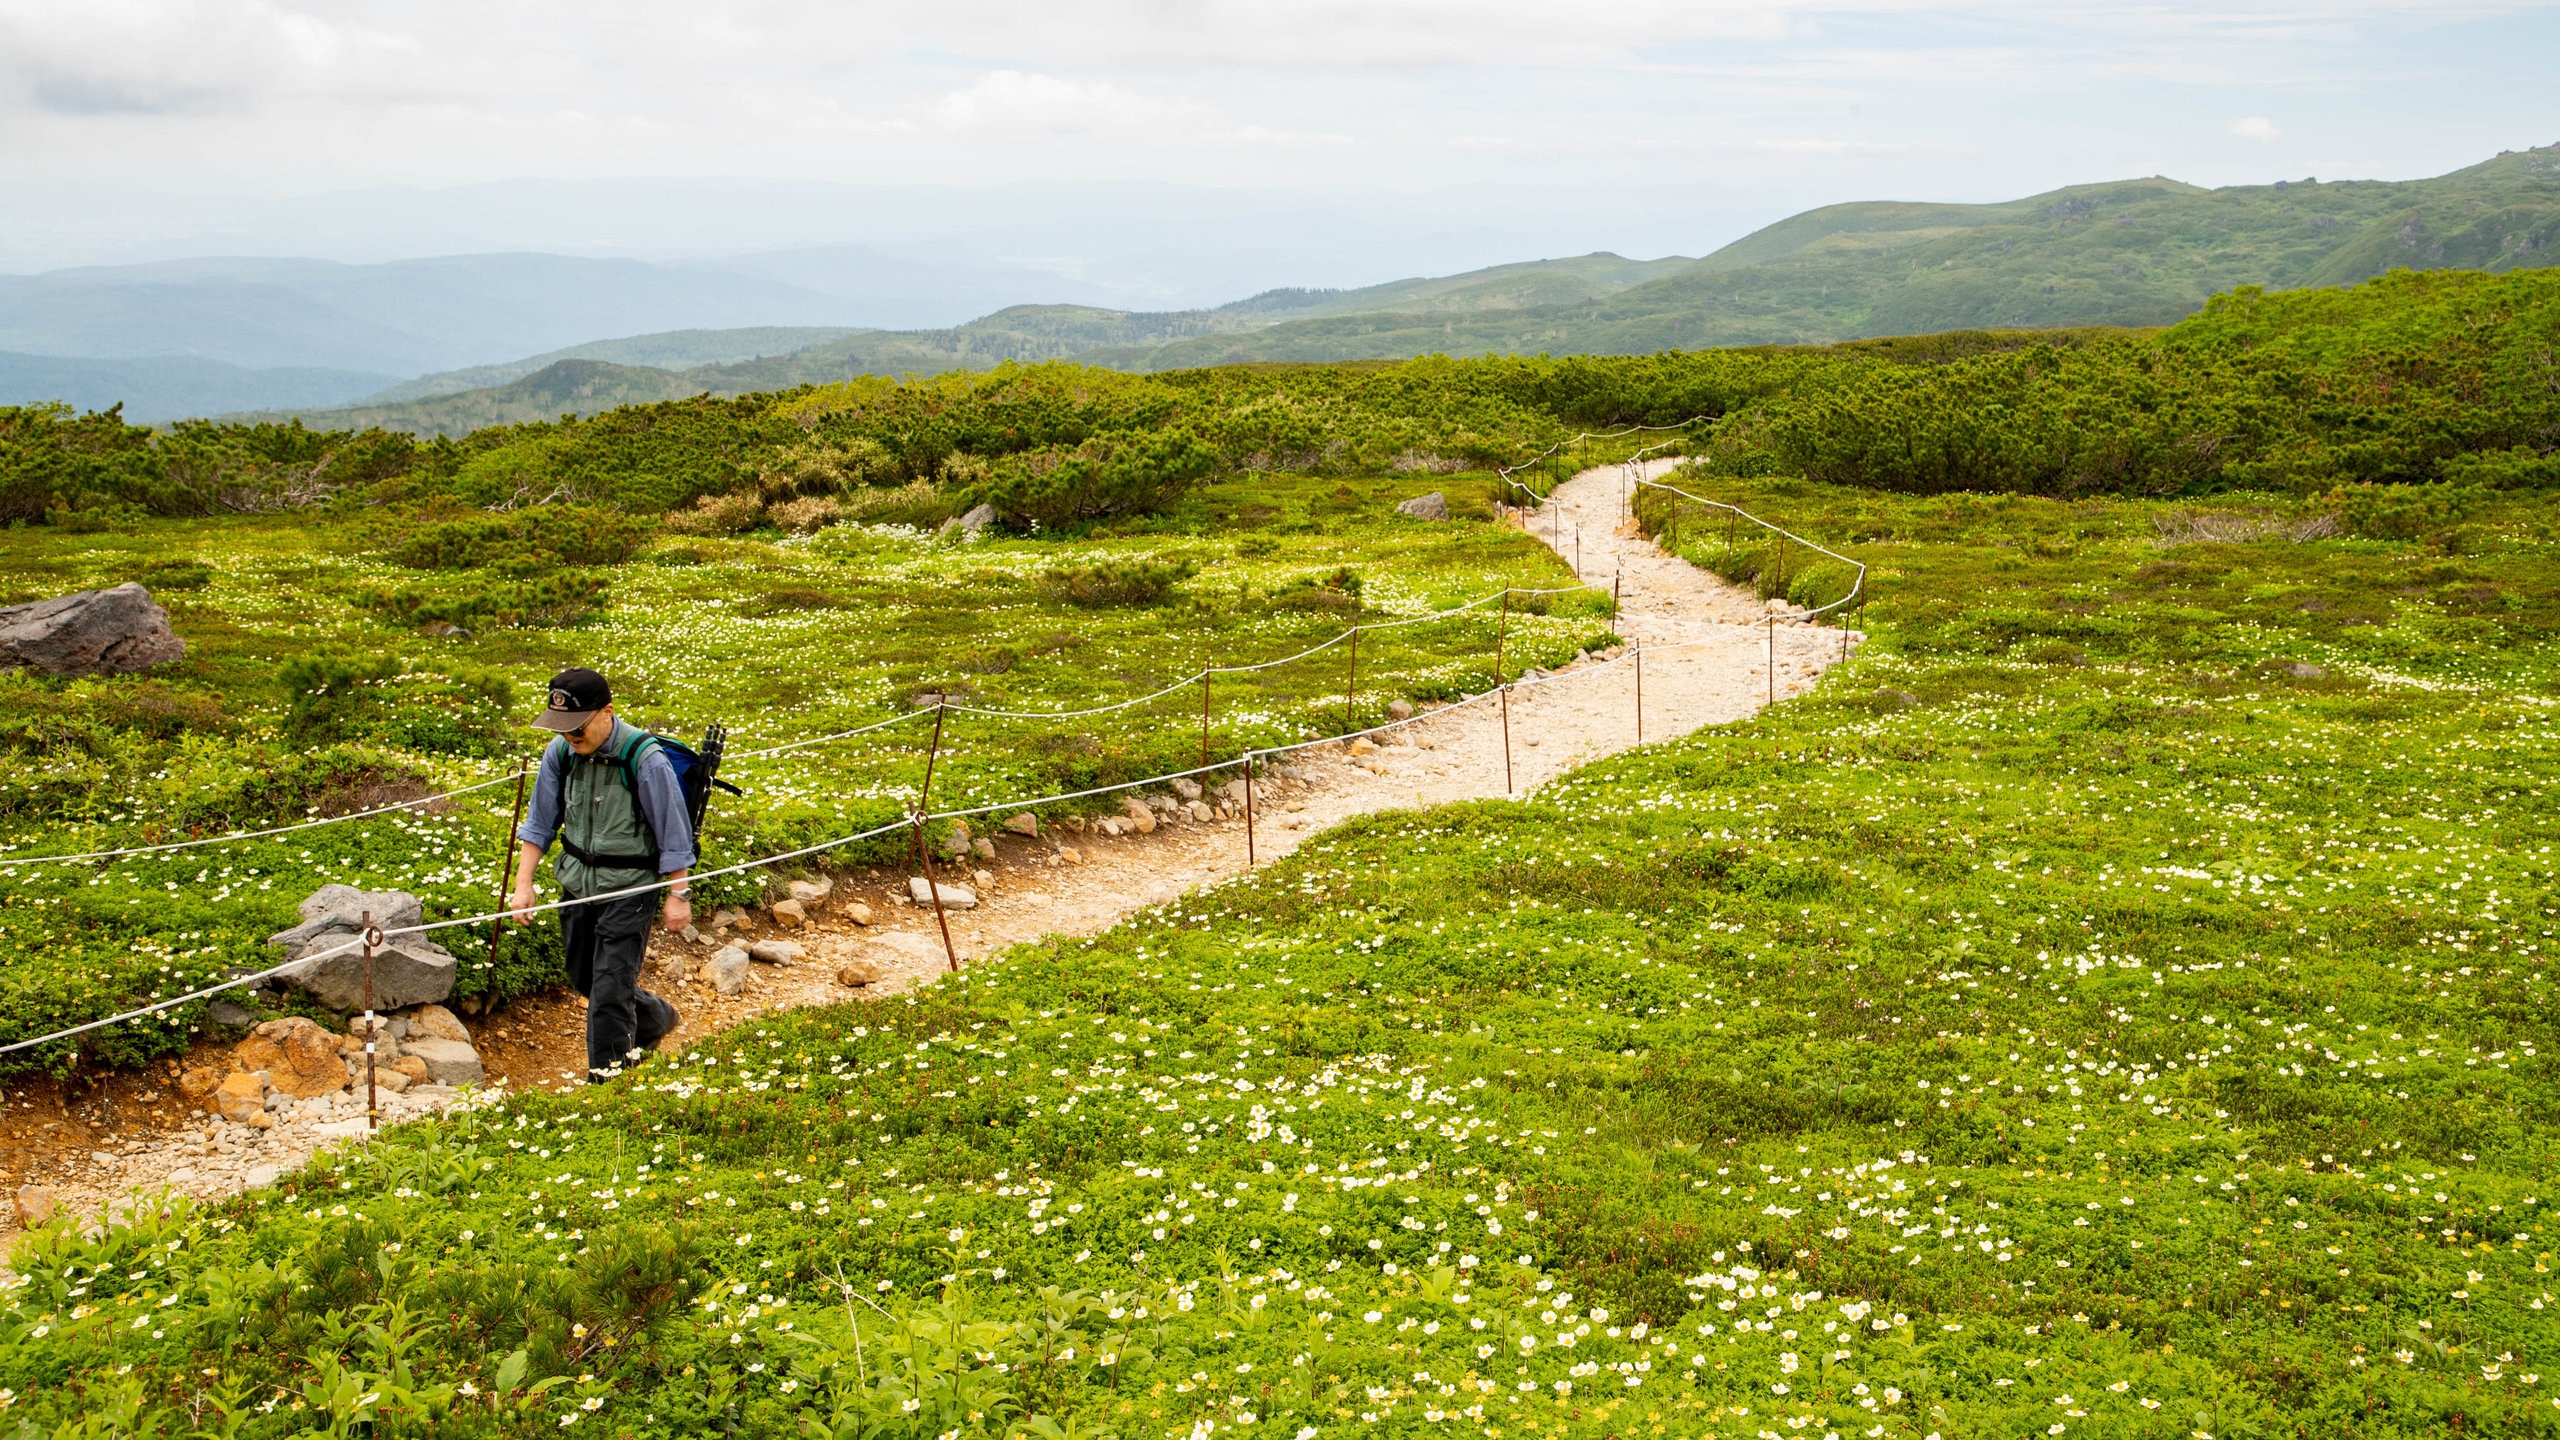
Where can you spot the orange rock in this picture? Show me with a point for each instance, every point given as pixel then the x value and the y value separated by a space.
pixel 411 1066
pixel 241 1097
pixel 197 1085
pixel 790 912
pixel 300 1058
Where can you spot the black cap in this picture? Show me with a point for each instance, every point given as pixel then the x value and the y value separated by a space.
pixel 575 695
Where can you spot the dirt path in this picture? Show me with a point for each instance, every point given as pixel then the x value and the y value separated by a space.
pixel 1706 648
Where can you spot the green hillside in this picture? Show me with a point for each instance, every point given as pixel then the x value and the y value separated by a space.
pixel 666 350
pixel 2139 252
pixel 564 387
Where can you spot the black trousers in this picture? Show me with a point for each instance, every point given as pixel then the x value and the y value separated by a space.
pixel 606 940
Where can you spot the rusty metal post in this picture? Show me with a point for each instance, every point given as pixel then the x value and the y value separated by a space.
pixel 1248 809
pixel 507 863
pixel 1577 552
pixel 1204 717
pixel 372 1100
pixel 1351 684
pixel 1773 659
pixel 924 852
pixel 1501 626
pixel 1639 694
pixel 1782 565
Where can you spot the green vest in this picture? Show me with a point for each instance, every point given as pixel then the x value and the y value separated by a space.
pixel 599 814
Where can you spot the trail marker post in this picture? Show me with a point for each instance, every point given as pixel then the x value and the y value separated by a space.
pixel 924 852
pixel 1351 684
pixel 506 862
pixel 372 1100
pixel 1500 627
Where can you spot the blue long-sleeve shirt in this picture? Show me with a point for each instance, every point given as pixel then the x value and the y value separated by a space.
pixel 661 803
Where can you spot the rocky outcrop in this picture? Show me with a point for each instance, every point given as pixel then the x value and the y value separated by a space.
pixel 407 969
pixel 89 632
pixel 1433 506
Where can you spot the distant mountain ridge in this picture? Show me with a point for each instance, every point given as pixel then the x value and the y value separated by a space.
pixel 2122 253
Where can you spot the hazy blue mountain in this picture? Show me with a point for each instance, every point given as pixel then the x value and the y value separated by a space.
pixel 156 388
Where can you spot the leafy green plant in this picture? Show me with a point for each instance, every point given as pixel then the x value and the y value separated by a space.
pixel 524 542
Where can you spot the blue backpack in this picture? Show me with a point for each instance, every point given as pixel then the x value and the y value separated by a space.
pixel 697 775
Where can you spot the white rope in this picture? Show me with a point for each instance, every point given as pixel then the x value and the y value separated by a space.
pixel 772 750
pixel 239 836
pixel 1856 588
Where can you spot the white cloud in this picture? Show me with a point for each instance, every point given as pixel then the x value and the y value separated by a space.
pixel 1013 100
pixel 2255 127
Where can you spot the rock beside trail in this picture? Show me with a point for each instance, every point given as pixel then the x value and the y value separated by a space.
pixel 728 970
pixel 448 1062
pixel 407 969
pixel 1186 787
pixel 813 892
pixel 854 974
pixel 35 1205
pixel 858 913
pixel 299 1058
pixel 953 897
pixel 1025 823
pixel 437 1023
pixel 1199 810
pixel 240 1097
pixel 89 632
pixel 1433 506
pixel 1399 709
pixel 1136 813
pixel 790 912
pixel 774 952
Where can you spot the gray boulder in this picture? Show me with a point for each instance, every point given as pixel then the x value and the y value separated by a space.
pixel 728 970
pixel 449 1062
pixel 1433 506
pixel 408 969
pixel 89 632
pixel 978 518
pixel 954 897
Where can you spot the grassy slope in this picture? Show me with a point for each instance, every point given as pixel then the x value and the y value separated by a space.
pixel 2072 1017
pixel 696 630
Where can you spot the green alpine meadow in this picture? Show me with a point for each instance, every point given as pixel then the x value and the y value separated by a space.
pixel 2113 1003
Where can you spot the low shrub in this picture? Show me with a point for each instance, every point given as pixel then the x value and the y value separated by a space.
pixel 1117 582
pixel 1129 473
pixel 718 515
pixel 333 697
pixel 525 542
pixel 2402 512
pixel 481 602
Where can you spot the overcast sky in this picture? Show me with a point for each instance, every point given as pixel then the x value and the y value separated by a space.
pixel 122 120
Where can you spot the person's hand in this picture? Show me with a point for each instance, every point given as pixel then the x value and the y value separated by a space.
pixel 679 911
pixel 522 903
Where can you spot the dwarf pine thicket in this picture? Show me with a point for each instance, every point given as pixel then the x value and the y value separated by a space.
pixel 2112 1005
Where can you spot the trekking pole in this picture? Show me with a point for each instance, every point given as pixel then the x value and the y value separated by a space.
pixel 924 852
pixel 372 1107
pixel 1504 686
pixel 506 861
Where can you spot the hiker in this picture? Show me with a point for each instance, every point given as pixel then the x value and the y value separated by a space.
pixel 610 795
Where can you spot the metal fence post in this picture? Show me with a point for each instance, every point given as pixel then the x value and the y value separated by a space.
pixel 507 864
pixel 1351 684
pixel 1500 628
pixel 372 1099
pixel 924 852
pixel 1204 717
pixel 1248 809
